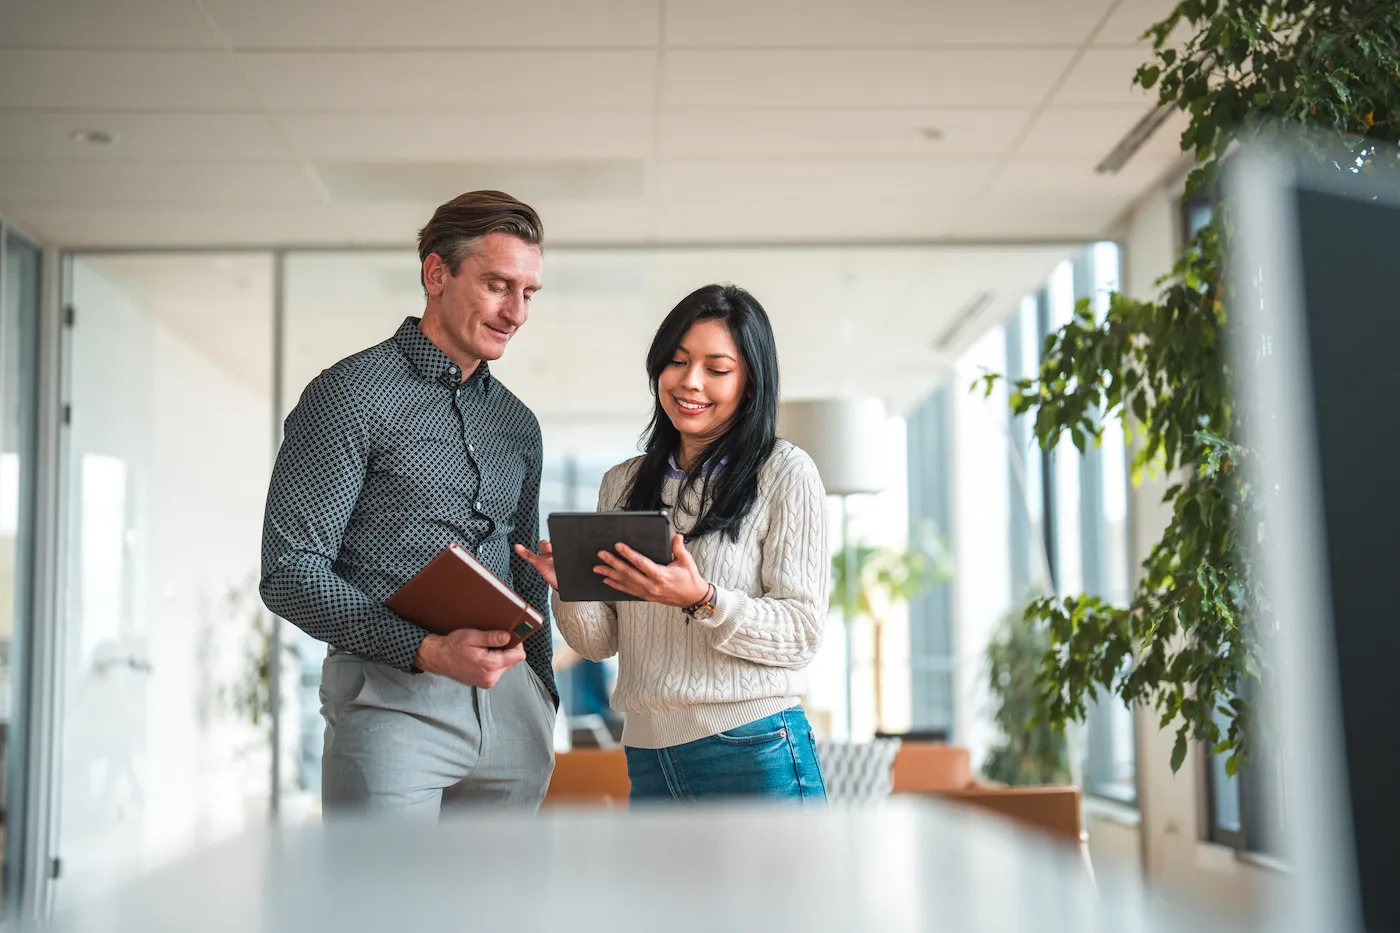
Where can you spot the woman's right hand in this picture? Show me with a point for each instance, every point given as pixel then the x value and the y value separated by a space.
pixel 543 562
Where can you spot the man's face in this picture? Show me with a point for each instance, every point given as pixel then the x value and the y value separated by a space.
pixel 488 300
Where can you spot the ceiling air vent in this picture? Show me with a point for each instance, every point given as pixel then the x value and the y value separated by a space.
pixel 968 313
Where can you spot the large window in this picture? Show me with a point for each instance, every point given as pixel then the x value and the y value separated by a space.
pixel 1042 521
pixel 1087 496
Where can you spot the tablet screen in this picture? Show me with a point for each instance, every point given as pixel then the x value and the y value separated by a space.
pixel 577 537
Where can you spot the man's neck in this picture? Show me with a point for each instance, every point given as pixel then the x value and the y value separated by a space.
pixel 430 327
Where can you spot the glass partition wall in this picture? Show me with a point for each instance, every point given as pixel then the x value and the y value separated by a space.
pixel 20 280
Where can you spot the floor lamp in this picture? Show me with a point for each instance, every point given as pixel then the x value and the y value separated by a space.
pixel 845 438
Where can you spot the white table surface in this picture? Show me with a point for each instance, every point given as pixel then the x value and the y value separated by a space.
pixel 908 865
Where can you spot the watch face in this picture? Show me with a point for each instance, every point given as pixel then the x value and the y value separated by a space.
pixel 703 613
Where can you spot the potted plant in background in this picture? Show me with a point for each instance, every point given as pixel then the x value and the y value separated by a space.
pixel 1029 751
pixel 248 693
pixel 885 577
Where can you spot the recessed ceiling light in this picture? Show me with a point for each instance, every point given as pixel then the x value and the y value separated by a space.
pixel 93 137
pixel 931 133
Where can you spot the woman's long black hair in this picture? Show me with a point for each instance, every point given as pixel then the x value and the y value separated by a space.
pixel 728 467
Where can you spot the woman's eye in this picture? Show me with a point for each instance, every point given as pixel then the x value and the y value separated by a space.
pixel 719 372
pixel 678 362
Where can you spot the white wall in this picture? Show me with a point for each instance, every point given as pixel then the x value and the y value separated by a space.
pixel 981 517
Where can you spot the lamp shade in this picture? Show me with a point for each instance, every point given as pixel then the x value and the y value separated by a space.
pixel 844 436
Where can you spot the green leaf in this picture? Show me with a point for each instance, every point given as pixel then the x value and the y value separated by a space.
pixel 1179 752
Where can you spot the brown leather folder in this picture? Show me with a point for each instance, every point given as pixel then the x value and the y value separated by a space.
pixel 455 591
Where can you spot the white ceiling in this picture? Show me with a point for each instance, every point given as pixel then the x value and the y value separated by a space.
pixel 331 122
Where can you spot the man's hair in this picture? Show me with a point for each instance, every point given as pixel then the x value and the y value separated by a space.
pixel 457 226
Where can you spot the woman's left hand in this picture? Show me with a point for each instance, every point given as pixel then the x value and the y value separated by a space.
pixel 676 584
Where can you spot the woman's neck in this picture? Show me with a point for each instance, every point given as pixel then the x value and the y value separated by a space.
pixel 689 453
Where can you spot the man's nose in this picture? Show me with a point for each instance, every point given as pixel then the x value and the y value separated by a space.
pixel 516 310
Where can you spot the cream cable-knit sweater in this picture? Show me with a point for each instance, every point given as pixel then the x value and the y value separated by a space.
pixel 680 681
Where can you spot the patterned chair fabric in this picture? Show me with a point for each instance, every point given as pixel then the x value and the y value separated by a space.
pixel 857 772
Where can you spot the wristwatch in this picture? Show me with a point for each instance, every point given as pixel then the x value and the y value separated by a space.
pixel 702 610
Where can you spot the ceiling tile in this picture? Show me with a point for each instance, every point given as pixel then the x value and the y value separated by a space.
pixel 578 221
pixel 445 135
pixel 437 24
pixel 1131 18
pixel 1072 174
pixel 141 182
pixel 803 134
pixel 1060 215
pixel 407 82
pixel 101 24
pixel 357 181
pixel 1081 130
pixel 904 23
pixel 157 226
pixel 845 216
pixel 873 79
pixel 1105 77
pixel 202 81
pixel 874 181
pixel 159 136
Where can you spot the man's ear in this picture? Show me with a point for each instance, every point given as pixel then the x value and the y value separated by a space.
pixel 434 274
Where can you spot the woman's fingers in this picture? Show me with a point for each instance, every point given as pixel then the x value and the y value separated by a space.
pixel 638 560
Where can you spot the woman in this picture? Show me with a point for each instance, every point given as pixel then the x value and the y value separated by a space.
pixel 710 664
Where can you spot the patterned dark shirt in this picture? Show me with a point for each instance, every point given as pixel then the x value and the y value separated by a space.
pixel 386 459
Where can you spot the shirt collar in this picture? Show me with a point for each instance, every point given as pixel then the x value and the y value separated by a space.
pixel 673 470
pixel 428 360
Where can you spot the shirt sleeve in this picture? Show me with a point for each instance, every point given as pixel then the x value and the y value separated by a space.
pixel 525 579
pixel 316 483
pixel 783 626
pixel 591 628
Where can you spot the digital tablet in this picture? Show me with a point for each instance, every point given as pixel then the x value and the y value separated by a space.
pixel 577 537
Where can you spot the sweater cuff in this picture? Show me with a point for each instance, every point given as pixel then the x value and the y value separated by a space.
pixel 729 612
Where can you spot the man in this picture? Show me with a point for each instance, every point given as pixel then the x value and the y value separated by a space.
pixel 390 455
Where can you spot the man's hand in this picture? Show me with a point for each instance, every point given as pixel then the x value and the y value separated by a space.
pixel 469 655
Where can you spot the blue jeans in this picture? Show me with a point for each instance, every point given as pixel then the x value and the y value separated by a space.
pixel 774 759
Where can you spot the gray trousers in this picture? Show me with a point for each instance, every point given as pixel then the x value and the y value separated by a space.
pixel 412 744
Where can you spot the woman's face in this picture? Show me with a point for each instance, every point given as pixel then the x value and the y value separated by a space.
pixel 702 386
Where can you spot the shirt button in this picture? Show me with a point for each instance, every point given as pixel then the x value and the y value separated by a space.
pixel 471 448
pixel 478 505
pixel 452 370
